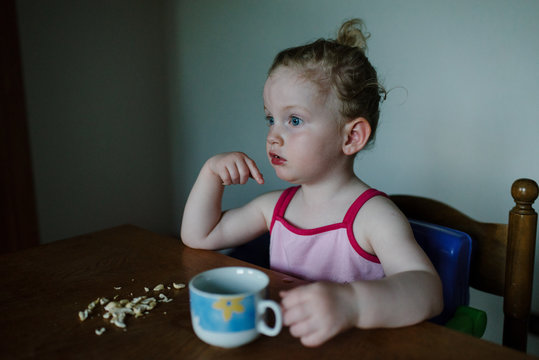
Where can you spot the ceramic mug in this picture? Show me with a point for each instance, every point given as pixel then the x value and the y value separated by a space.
pixel 228 306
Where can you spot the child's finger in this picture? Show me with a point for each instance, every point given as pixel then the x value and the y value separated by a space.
pixel 302 329
pixel 225 176
pixel 234 174
pixel 296 315
pixel 315 338
pixel 294 296
pixel 255 173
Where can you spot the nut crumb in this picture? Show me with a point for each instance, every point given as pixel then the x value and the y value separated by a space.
pixel 164 298
pixel 116 311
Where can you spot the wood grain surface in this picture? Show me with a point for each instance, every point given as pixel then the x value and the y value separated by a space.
pixel 44 288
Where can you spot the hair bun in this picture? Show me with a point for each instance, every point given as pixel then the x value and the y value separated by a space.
pixel 352 33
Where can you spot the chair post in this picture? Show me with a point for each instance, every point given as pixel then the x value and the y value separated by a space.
pixel 522 229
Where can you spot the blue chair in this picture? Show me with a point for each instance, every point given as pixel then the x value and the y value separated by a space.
pixel 450 252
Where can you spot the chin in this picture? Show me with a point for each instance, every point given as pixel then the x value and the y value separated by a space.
pixel 289 179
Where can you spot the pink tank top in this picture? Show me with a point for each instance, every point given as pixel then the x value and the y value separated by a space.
pixel 329 252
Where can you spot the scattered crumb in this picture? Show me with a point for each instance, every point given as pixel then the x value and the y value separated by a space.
pixel 158 287
pixel 115 311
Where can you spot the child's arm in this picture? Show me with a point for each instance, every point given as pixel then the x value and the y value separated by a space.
pixel 410 293
pixel 204 224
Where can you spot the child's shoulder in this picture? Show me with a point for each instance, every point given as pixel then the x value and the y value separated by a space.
pixel 380 221
pixel 372 200
pixel 381 214
pixel 267 201
pixel 381 205
pixel 270 196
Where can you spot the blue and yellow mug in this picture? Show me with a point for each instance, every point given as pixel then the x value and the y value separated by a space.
pixel 228 306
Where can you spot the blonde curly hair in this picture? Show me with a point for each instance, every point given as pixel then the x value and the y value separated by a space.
pixel 340 66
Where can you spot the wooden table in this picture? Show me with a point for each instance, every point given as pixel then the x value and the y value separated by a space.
pixel 44 288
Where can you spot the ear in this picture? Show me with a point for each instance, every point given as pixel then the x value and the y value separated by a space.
pixel 356 134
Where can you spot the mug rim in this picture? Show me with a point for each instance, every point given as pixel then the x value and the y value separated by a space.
pixel 198 291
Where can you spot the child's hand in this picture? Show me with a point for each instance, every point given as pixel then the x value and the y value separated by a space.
pixel 317 312
pixel 234 168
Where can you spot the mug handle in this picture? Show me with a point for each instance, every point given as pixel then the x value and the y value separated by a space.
pixel 261 326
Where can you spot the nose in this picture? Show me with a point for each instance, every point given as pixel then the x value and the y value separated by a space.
pixel 274 136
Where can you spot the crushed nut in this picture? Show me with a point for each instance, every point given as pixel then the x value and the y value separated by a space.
pixel 164 298
pixel 178 286
pixel 91 305
pixel 83 315
pixel 159 287
pixel 117 310
pixel 118 323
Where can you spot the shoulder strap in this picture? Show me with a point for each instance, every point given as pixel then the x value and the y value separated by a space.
pixel 349 221
pixel 282 203
pixel 358 204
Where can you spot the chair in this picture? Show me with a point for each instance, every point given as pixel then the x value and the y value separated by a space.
pixel 502 257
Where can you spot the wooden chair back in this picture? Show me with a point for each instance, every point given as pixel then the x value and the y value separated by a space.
pixel 502 254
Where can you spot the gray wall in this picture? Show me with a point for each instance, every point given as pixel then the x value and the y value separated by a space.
pixel 127 100
pixel 96 93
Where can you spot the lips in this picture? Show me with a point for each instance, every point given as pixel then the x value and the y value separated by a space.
pixel 276 159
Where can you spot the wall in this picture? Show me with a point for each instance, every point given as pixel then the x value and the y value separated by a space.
pixel 126 100
pixel 460 125
pixel 97 111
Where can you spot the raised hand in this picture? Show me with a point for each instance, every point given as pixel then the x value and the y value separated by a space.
pixel 234 168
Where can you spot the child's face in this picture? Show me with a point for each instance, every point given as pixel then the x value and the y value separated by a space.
pixel 304 142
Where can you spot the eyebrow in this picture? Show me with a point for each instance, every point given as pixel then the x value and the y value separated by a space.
pixel 290 107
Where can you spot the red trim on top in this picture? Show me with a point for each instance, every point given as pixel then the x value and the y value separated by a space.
pixel 348 221
pixel 306 232
pixel 360 201
pixel 282 203
pixel 359 249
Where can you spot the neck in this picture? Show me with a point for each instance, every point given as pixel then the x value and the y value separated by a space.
pixel 326 190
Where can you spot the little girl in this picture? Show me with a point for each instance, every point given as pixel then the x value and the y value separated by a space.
pixel 322 106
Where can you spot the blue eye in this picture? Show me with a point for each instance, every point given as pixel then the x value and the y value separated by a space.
pixel 295 121
pixel 269 120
